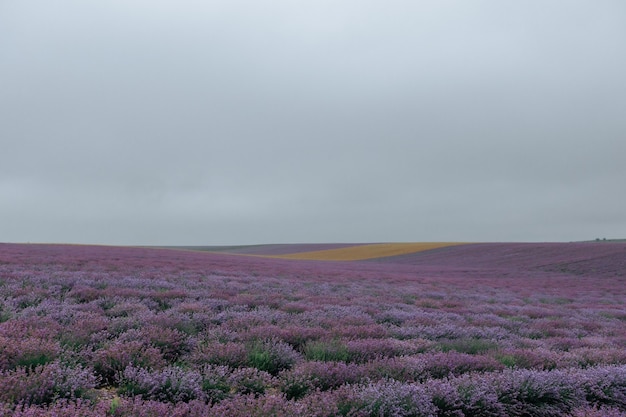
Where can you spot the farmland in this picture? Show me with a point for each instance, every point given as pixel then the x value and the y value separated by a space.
pixel 362 252
pixel 492 329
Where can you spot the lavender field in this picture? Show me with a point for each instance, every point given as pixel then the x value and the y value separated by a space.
pixel 515 329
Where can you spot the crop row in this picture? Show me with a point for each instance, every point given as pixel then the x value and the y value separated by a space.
pixel 209 392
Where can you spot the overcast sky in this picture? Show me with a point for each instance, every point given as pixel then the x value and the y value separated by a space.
pixel 238 122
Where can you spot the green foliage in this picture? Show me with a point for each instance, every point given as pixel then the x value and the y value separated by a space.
pixel 215 389
pixel 4 316
pixel 271 356
pixel 115 403
pixel 33 360
pixel 260 358
pixel 295 386
pixel 510 361
pixel 326 351
pixel 472 346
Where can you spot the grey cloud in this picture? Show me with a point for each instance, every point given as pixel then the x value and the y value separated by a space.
pixel 244 122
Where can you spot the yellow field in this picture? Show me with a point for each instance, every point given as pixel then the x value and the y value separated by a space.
pixel 361 252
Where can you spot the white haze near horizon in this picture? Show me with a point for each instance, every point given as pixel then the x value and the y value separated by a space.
pixel 188 122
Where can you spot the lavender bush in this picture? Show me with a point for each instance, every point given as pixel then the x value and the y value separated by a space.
pixel 272 356
pixel 44 384
pixel 171 384
pixel 386 399
pixel 115 357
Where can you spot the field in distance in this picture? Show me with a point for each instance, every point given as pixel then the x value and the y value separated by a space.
pixel 498 329
pixel 330 252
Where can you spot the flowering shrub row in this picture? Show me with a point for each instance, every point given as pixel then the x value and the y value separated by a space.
pixel 513 393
